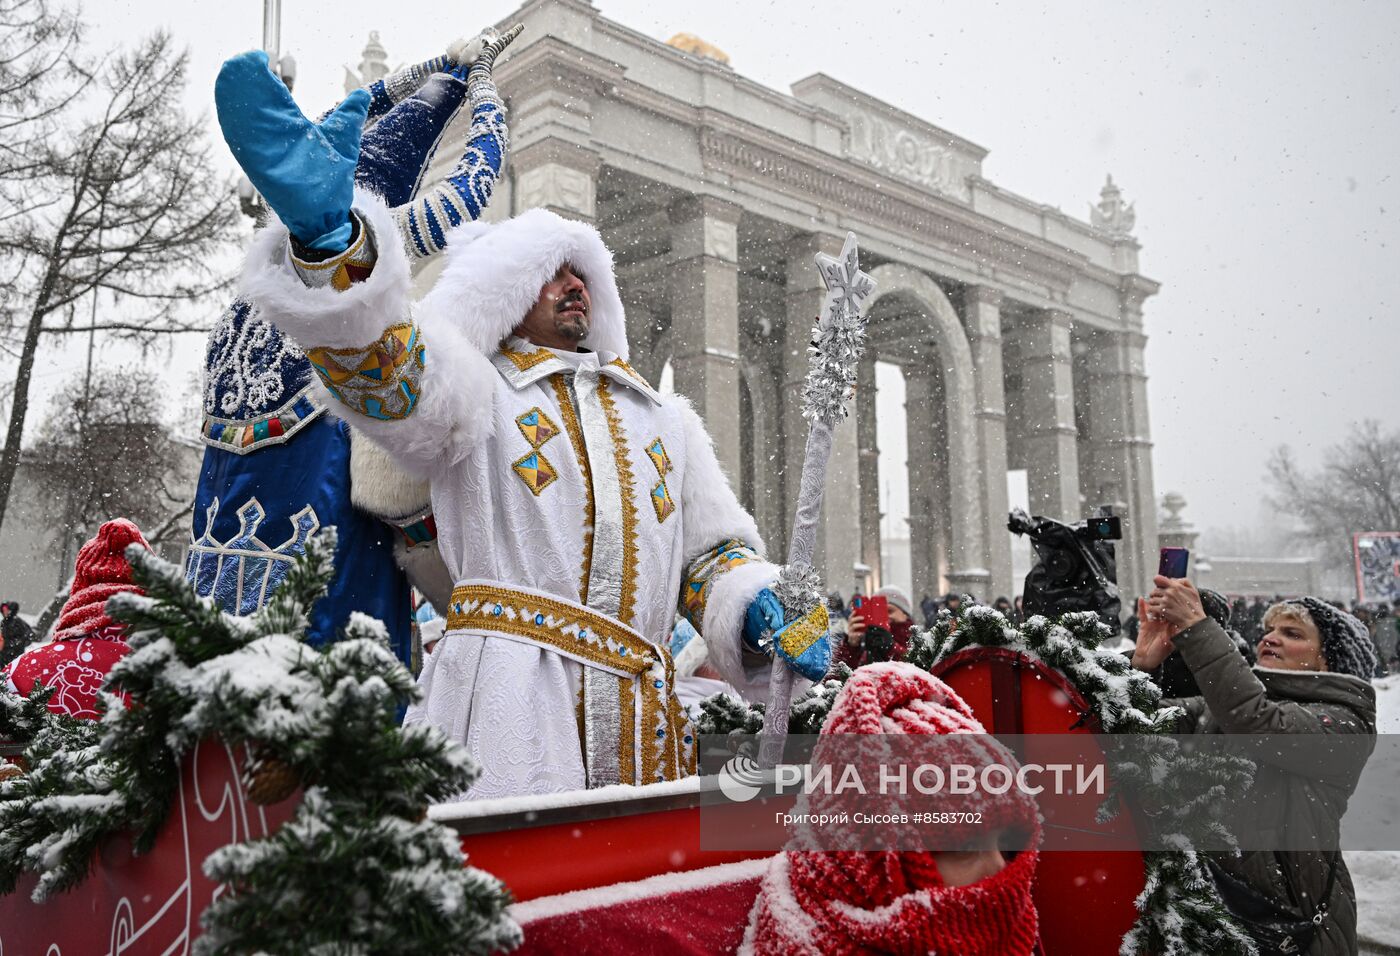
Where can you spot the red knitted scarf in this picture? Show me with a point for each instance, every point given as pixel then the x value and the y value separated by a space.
pixel 849 903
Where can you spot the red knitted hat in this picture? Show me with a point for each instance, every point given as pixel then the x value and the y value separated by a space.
pixel 101 571
pixel 846 902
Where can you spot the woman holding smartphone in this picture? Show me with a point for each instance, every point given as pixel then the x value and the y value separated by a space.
pixel 870 638
pixel 1313 677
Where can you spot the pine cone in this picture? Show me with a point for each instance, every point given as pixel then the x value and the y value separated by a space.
pixel 9 771
pixel 268 780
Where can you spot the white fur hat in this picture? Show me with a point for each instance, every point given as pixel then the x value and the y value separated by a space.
pixel 494 273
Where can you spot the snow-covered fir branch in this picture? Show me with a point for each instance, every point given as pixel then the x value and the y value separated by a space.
pixel 358 868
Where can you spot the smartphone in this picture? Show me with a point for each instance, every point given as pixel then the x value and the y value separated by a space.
pixel 1172 563
pixel 875 611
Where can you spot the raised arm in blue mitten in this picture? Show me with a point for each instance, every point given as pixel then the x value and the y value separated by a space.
pixel 305 170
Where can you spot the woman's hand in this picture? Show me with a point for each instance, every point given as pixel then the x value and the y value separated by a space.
pixel 1154 640
pixel 855 629
pixel 1176 602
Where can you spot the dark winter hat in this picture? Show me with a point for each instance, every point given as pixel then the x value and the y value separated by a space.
pixel 1346 643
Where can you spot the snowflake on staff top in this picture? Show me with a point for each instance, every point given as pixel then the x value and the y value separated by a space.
pixel 846 285
pixel 839 336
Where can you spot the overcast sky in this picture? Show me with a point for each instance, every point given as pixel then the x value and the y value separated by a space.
pixel 1257 140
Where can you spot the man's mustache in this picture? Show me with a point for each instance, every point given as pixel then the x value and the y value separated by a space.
pixel 572 300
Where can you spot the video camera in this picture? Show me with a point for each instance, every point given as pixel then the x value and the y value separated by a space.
pixel 1075 568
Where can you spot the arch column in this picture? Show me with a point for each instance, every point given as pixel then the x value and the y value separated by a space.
pixel 928 482
pixel 705 317
pixel 1048 433
pixel 967 529
pixel 557 175
pixel 1119 469
pixel 983 306
pixel 867 440
pixel 760 377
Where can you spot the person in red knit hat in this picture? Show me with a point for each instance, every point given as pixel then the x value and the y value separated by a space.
pixel 87 643
pixel 968 902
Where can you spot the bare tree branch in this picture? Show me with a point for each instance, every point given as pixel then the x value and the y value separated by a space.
pixel 1356 490
pixel 105 184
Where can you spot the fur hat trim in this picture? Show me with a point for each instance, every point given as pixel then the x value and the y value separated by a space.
pixel 494 273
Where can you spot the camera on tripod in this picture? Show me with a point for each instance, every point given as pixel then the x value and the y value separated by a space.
pixel 1075 568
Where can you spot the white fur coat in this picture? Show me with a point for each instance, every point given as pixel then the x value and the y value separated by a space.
pixel 514 508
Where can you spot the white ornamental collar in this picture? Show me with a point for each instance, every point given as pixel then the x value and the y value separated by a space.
pixel 523 363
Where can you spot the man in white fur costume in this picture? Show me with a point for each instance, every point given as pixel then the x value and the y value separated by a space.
pixel 576 508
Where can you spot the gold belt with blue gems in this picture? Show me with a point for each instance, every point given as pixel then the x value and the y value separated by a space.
pixel 563 626
pixel 647 737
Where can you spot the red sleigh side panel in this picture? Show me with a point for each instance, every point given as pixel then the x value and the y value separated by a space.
pixel 1084 898
pixel 151 903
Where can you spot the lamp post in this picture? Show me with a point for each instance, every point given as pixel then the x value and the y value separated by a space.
pixel 272 29
pixel 284 66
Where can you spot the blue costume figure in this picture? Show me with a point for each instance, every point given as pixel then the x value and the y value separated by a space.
pixel 277 466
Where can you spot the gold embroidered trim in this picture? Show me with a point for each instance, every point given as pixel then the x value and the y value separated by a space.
pixel 536 471
pixel 661 461
pixel 662 503
pixel 629 505
pixel 704 571
pixel 630 371
pixel 569 628
pixel 344 269
pixel 380 380
pixel 804 632
pixel 575 431
pixel 524 361
pixel 627 732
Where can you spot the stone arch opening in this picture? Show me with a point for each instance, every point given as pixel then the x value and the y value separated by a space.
pixel 915 325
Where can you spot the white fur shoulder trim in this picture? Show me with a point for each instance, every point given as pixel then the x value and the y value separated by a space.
pixel 709 507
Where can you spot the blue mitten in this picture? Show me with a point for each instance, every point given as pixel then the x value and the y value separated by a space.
pixel 305 170
pixel 803 643
pixel 806 643
pixel 763 617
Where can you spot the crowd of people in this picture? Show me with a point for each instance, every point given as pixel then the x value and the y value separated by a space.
pixel 1245 619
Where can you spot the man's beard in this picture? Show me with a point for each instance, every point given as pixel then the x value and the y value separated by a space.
pixel 573 327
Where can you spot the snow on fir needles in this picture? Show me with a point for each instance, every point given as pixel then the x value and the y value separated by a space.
pixel 359 868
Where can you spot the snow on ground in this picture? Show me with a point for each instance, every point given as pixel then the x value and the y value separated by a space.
pixel 1377 873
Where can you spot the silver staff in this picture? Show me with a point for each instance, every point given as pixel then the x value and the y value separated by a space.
pixel 837 343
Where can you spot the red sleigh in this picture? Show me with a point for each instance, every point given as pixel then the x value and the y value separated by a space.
pixel 606 872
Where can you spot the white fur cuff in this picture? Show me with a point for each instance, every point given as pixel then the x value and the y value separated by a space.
pixel 324 317
pixel 723 627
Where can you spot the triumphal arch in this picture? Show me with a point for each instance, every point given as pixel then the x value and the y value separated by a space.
pixel 1018 328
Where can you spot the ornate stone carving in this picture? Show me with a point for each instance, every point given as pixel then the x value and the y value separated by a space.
pixel 1112 214
pixel 374 65
pixel 721 240
pixel 738 157
pixel 557 186
pixel 904 153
